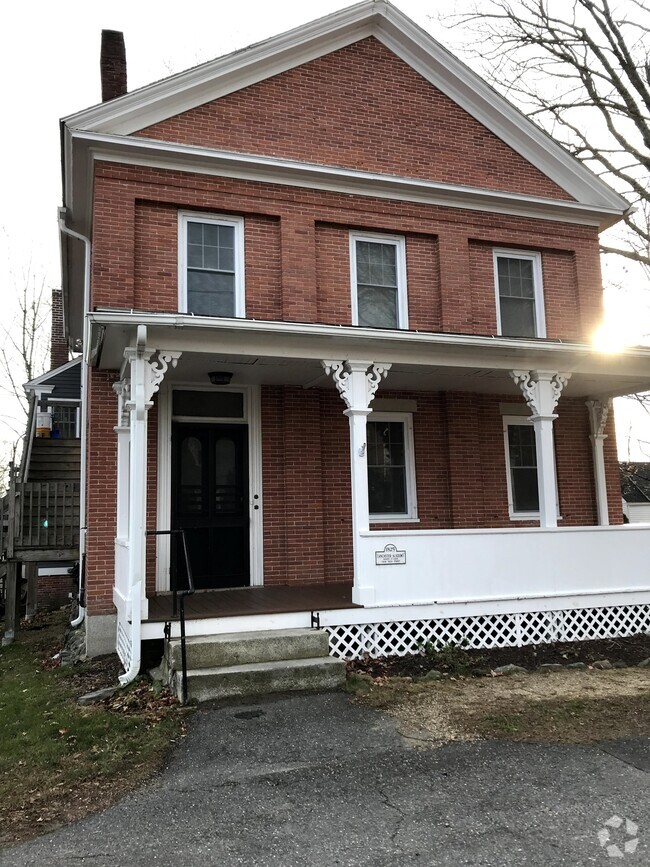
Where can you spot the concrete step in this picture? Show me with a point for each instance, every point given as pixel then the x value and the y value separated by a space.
pixel 262 678
pixel 238 648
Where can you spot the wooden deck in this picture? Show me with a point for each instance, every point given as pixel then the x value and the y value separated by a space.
pixel 275 599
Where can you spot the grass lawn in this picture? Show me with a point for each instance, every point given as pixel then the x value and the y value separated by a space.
pixel 60 761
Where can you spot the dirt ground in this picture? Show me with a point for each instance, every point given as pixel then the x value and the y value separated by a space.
pixel 562 707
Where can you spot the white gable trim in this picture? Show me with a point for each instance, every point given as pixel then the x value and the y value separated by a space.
pixel 85 147
pixel 429 58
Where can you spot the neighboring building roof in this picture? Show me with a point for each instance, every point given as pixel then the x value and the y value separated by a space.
pixel 62 382
pixel 635 481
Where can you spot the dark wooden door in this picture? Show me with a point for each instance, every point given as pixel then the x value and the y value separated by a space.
pixel 210 501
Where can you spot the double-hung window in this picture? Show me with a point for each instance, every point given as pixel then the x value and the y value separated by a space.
pixel 378 271
pixel 211 265
pixel 519 294
pixel 391 467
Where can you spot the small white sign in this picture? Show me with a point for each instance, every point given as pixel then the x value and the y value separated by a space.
pixel 390 556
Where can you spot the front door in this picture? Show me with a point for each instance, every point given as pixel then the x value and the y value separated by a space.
pixel 210 501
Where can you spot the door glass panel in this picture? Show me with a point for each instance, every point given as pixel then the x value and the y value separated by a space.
pixel 191 481
pixel 226 496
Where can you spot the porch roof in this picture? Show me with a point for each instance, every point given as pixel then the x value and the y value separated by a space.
pixel 290 353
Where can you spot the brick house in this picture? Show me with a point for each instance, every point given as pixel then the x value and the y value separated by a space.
pixel 344 221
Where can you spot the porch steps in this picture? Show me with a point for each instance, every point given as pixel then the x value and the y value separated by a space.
pixel 257 663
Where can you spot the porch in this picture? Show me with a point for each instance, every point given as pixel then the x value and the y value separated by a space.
pixel 412 573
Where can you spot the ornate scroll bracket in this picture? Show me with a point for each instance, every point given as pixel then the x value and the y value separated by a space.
pixel 341 377
pixel 159 368
pixel 356 393
pixel 598 414
pixel 541 389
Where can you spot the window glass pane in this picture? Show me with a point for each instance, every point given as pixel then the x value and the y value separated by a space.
pixel 211 269
pixel 515 277
pixel 208 404
pixel 377 308
pixel 518 317
pixel 525 493
pixel 210 293
pixel 523 468
pixel 386 468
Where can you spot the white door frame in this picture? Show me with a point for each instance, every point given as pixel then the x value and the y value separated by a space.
pixel 252 418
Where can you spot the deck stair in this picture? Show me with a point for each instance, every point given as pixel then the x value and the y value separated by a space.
pixel 254 663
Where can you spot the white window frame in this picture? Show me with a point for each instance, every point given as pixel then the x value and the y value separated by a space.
pixel 411 516
pixel 237 223
pixel 536 259
pixel 399 242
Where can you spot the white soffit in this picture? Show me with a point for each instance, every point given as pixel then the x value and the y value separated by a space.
pixel 377 18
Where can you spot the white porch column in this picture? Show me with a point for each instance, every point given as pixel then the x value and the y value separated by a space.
pixel 541 390
pixel 357 382
pixel 122 432
pixel 145 379
pixel 598 412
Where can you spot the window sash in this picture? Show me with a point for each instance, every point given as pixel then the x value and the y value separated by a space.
pixel 211 265
pixel 522 461
pixel 391 468
pixel 519 294
pixel 378 278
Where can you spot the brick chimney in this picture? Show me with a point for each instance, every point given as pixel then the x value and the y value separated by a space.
pixel 112 65
pixel 58 345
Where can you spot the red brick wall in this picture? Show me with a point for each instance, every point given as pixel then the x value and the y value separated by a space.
pixel 101 493
pixel 297 252
pixel 460 470
pixel 53 591
pixel 364 108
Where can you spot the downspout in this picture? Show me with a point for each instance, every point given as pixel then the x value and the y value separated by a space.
pixel 138 494
pixel 84 412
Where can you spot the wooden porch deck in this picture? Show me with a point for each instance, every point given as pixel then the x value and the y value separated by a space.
pixel 244 601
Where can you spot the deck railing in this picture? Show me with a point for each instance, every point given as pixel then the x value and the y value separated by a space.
pixel 40 515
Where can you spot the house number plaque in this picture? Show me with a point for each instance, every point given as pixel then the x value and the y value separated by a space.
pixel 390 556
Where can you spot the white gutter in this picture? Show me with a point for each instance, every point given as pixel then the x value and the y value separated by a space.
pixel 84 407
pixel 138 497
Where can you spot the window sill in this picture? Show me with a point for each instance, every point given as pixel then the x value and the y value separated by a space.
pixel 393 519
pixel 529 516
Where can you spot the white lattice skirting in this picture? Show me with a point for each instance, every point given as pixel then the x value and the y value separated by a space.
pixel 398 638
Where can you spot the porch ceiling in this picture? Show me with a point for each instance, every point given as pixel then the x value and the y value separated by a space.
pixel 280 353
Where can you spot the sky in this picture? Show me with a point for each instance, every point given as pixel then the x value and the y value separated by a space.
pixel 49 67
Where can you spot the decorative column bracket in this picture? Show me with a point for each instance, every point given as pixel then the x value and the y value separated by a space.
pixel 341 372
pixel 598 415
pixel 541 389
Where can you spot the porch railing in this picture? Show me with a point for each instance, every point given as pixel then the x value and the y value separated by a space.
pixel 179 600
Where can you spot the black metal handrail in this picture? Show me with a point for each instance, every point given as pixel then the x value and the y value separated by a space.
pixel 178 600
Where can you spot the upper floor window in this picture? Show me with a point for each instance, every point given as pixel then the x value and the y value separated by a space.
pixel 520 299
pixel 378 266
pixel 211 265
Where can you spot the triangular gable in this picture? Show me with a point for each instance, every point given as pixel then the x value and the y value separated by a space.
pixel 181 93
pixel 52 377
pixel 360 107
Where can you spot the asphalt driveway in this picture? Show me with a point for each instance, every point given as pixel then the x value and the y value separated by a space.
pixel 318 780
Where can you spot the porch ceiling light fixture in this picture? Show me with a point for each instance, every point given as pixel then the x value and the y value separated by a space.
pixel 220 377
